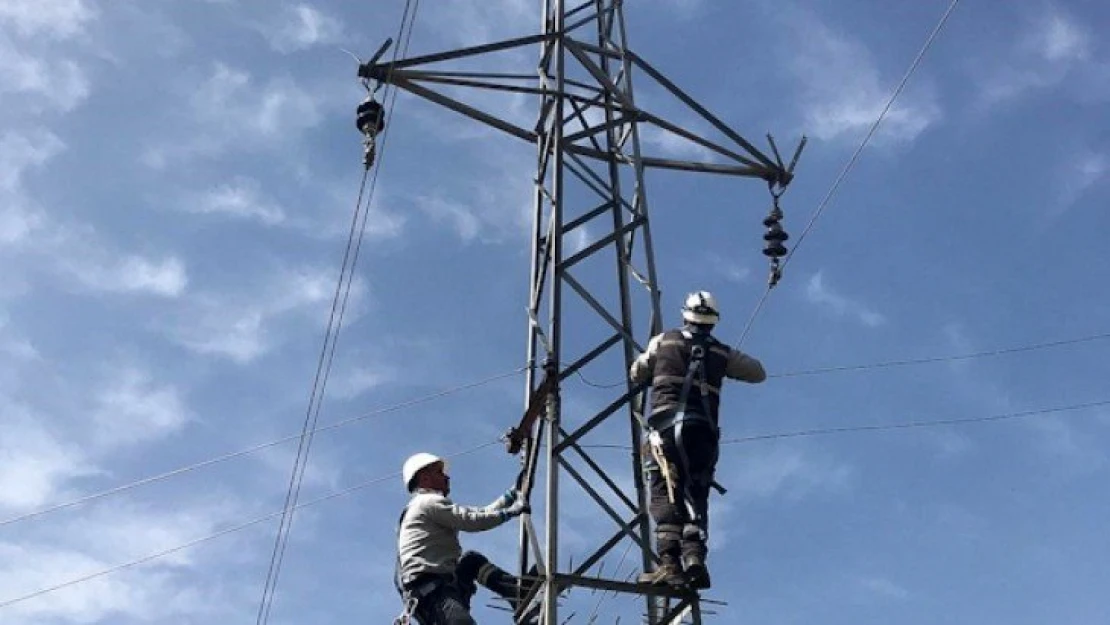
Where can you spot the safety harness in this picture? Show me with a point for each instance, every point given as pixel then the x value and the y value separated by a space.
pixel 410 597
pixel 695 368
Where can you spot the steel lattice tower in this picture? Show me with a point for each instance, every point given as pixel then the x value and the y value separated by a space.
pixel 590 165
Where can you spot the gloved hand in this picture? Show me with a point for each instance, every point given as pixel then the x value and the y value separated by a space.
pixel 509 497
pixel 519 507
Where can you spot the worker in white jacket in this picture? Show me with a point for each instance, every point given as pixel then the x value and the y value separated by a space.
pixel 435 577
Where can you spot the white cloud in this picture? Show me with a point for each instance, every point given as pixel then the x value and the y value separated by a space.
pixel 1068 449
pixel 131 274
pixel 34 463
pixel 1059 38
pixel 967 377
pixel 785 471
pixel 950 442
pixel 323 471
pixel 20 151
pixel 459 217
pixel 360 380
pixel 883 587
pixel 1052 46
pixel 670 144
pixel 843 91
pixel 237 335
pixel 72 249
pixel 241 197
pixel 1086 170
pixel 729 269
pixel 819 293
pixel 15 347
pixel 17 222
pixel 229 100
pixel 238 326
pixel 132 409
pixel 164 589
pixel 230 109
pixel 304 26
pixel 724 524
pixel 683 8
pixel 60 19
pixel 61 83
pixel 579 239
pixel 465 23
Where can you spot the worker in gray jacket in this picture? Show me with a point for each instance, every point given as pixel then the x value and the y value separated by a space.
pixel 686 367
pixel 435 578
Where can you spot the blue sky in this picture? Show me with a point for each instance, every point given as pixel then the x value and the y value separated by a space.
pixel 176 182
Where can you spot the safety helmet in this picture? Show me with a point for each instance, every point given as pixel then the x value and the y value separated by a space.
pixel 701 307
pixel 415 463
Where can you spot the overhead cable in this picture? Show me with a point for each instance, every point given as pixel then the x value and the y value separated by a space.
pixel 889 426
pixel 852 160
pixel 911 361
pixel 250 450
pixel 915 424
pixel 236 528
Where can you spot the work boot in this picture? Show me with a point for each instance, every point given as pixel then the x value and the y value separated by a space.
pixel 668 574
pixel 696 572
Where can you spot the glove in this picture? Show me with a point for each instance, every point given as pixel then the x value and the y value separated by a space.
pixel 519 507
pixel 508 498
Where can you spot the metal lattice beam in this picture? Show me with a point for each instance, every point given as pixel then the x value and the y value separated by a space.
pixel 590 166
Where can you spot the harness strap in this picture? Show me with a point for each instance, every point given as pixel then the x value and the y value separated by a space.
pixel 696 367
pixel 397 566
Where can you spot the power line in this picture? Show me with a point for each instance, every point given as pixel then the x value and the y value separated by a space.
pixel 469 385
pixel 224 532
pixel 313 412
pixel 889 426
pixel 243 452
pixel 915 424
pixel 936 359
pixel 852 161
pixel 910 361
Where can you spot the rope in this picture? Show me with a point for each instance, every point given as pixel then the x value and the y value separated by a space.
pixel 852 161
pixel 243 452
pixel 224 532
pixel 299 466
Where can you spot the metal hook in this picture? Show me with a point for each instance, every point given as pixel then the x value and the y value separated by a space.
pixel 776 193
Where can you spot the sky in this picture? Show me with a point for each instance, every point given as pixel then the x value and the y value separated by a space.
pixel 177 181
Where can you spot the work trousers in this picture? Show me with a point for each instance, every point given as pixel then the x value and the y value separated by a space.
pixel 449 602
pixel 682 526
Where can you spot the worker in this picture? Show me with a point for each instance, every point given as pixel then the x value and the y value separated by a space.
pixel 685 368
pixel 435 578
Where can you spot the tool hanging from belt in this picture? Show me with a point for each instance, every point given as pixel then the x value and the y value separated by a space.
pixel 405 618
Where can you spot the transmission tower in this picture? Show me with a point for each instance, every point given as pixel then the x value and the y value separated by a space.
pixel 590 164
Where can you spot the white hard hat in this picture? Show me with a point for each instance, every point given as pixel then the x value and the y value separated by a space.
pixel 415 463
pixel 701 307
